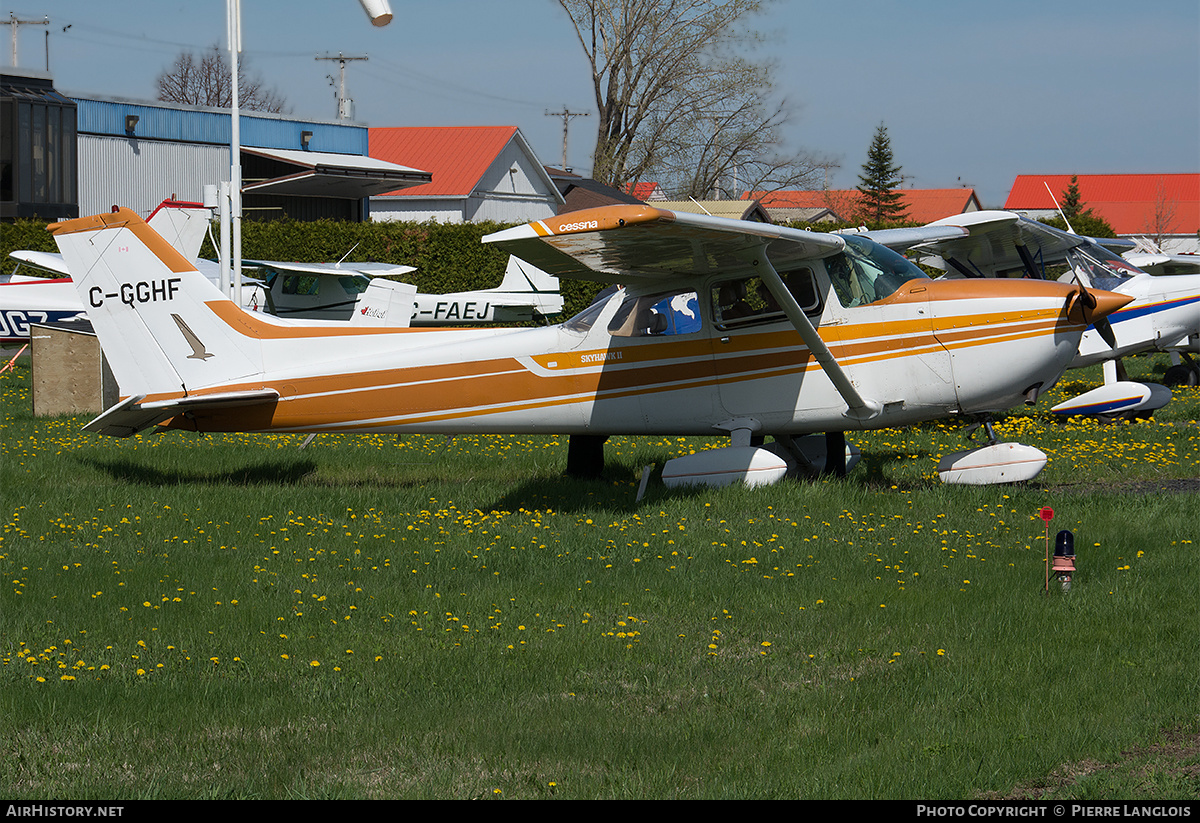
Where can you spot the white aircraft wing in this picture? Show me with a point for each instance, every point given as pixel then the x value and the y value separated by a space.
pixel 628 244
pixel 1161 263
pixel 47 261
pixel 901 240
pixel 367 269
pixel 631 244
pixel 1003 241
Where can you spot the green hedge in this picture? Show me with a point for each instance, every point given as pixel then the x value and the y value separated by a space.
pixel 449 256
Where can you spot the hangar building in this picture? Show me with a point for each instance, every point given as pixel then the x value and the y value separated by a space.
pixel 66 155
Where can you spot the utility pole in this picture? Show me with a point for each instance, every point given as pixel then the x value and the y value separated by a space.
pixel 344 105
pixel 566 114
pixel 15 23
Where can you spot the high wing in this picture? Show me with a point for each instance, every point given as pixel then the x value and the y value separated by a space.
pixel 44 260
pixel 630 244
pixel 901 240
pixel 641 244
pixel 366 269
pixel 1000 242
pixel 1161 263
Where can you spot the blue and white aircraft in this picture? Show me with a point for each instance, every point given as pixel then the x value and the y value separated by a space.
pixel 1164 314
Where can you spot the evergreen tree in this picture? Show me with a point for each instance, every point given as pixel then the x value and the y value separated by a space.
pixel 1072 203
pixel 880 201
pixel 1079 217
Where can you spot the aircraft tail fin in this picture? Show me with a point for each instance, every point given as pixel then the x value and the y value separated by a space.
pixel 520 276
pixel 385 303
pixel 164 328
pixel 525 278
pixel 183 225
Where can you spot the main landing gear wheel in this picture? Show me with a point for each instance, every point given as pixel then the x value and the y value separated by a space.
pixel 1184 374
pixel 585 455
pixel 835 454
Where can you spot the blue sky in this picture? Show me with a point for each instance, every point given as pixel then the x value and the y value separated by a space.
pixel 971 92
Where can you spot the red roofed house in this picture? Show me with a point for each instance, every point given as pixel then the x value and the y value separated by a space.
pixel 646 192
pixel 1162 207
pixel 479 173
pixel 921 205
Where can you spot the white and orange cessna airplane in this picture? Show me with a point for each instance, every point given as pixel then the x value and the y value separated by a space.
pixel 717 327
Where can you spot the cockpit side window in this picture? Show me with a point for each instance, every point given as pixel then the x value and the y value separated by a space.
pixel 654 315
pixel 301 284
pixel 866 272
pixel 747 301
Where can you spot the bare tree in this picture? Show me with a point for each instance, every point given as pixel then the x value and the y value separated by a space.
pixel 206 82
pixel 677 103
pixel 1161 222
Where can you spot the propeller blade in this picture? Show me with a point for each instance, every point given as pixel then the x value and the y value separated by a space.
pixel 1104 329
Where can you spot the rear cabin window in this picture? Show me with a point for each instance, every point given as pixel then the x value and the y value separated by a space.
pixel 748 302
pixel 354 283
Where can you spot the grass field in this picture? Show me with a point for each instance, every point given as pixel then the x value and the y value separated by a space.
pixel 433 617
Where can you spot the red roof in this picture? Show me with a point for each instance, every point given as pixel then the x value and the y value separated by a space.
pixel 921 205
pixel 457 156
pixel 1127 202
pixel 643 191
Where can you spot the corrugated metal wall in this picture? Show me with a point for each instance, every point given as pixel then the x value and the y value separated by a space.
pixel 140 174
pixel 179 150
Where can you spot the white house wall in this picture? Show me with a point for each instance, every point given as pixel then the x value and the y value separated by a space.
pixel 514 189
pixel 140 174
pixel 416 209
pixel 502 208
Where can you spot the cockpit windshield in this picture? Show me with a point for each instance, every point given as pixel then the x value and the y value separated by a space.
pixel 1100 268
pixel 866 272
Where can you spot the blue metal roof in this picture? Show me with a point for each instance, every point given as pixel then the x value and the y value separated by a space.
pixel 212 126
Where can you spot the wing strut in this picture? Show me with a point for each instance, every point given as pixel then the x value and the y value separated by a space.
pixel 859 408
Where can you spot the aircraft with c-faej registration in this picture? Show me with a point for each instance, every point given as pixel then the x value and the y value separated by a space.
pixel 711 327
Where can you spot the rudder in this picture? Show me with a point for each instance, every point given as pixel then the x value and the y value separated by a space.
pixel 152 310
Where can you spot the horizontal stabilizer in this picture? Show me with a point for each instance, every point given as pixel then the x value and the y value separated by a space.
pixel 131 416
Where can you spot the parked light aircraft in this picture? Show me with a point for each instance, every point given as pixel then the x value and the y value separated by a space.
pixel 1148 257
pixel 355 292
pixel 1163 315
pixel 339 291
pixel 717 326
